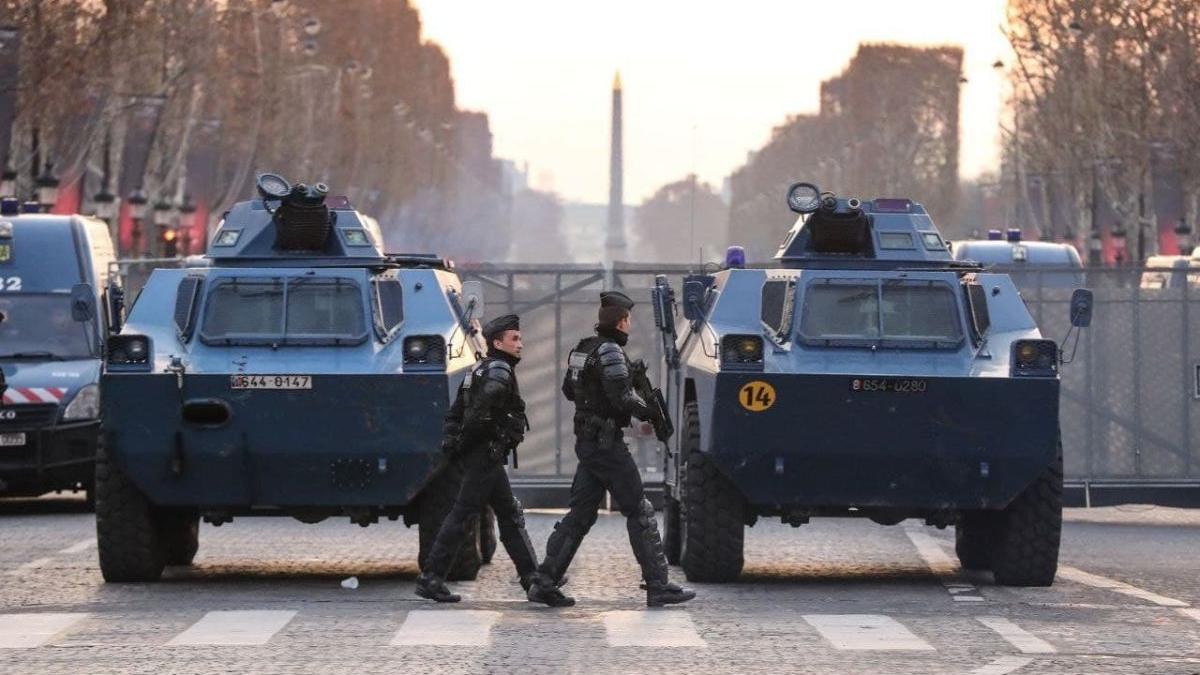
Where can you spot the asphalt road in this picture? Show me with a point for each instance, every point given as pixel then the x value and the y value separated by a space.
pixel 836 596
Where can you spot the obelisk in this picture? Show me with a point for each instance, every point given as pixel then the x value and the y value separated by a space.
pixel 614 245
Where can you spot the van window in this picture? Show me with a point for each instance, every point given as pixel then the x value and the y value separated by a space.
pixel 39 325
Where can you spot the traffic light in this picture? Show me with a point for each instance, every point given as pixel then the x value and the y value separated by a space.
pixel 168 242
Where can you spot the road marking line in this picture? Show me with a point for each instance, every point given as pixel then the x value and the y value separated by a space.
pixel 1003 665
pixel 30 566
pixel 943 567
pixel 446 628
pixel 25 631
pixel 79 547
pixel 1097 581
pixel 1026 642
pixel 663 628
pixel 1189 612
pixel 866 632
pixel 236 627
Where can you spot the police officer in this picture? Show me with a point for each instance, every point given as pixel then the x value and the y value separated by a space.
pixel 599 381
pixel 486 423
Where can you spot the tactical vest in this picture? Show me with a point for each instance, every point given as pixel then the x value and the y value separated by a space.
pixel 584 378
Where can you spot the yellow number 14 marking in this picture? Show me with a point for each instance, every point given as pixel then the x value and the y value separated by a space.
pixel 756 396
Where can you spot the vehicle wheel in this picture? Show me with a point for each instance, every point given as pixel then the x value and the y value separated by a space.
pixel 127 534
pixel 1025 547
pixel 973 540
pixel 488 540
pixel 671 538
pixel 180 535
pixel 712 523
pixel 436 502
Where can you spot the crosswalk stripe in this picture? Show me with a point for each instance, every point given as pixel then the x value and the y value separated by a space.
pixel 1190 612
pixel 1026 642
pixel 663 628
pixel 1097 581
pixel 1003 665
pixel 446 628
pixel 235 627
pixel 866 632
pixel 944 568
pixel 25 631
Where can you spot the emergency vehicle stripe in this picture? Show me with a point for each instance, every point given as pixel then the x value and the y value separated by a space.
pixel 45 395
pixel 14 396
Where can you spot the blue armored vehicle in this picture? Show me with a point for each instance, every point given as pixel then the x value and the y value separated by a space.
pixel 866 374
pixel 299 373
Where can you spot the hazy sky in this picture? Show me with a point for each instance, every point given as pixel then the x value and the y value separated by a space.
pixel 704 82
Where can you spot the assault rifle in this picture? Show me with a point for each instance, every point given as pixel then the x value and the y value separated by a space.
pixel 653 396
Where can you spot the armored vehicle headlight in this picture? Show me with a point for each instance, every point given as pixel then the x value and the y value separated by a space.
pixel 85 405
pixel 741 352
pixel 1034 358
pixel 424 350
pixel 129 350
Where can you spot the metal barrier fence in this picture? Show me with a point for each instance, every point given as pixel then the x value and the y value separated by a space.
pixel 1130 410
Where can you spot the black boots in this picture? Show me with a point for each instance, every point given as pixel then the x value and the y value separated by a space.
pixel 543 589
pixel 667 593
pixel 433 588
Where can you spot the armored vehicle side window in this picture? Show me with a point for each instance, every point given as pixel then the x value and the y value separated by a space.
pixel 389 305
pixel 324 307
pixel 777 301
pixel 185 306
pixel 980 319
pixel 841 311
pixel 241 308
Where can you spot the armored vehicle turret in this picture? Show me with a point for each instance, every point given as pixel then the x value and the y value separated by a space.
pixel 300 372
pixel 864 373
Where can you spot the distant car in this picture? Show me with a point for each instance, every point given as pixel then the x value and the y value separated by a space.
pixel 1029 263
pixel 50 349
pixel 1171 271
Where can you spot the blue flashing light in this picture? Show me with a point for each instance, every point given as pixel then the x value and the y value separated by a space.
pixel 10 206
pixel 892 205
pixel 31 207
pixel 995 235
pixel 1014 235
pixel 735 258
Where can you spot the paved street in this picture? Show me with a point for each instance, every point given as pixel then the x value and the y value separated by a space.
pixel 837 596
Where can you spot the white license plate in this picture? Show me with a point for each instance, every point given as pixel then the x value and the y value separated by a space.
pixel 270 381
pixel 10 440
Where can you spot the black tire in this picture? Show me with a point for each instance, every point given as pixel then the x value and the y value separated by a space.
pixel 488 539
pixel 127 532
pixel 180 533
pixel 973 538
pixel 712 517
pixel 672 542
pixel 436 502
pixel 1028 532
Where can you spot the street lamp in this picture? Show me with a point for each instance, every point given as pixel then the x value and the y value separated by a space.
pixel 106 205
pixel 187 216
pixel 162 213
pixel 47 188
pixel 1183 235
pixel 8 182
pixel 137 204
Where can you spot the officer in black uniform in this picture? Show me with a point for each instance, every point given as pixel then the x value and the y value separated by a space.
pixel 485 423
pixel 599 381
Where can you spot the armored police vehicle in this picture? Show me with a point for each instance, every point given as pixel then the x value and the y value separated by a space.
pixel 301 373
pixel 870 375
pixel 51 267
pixel 1030 264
